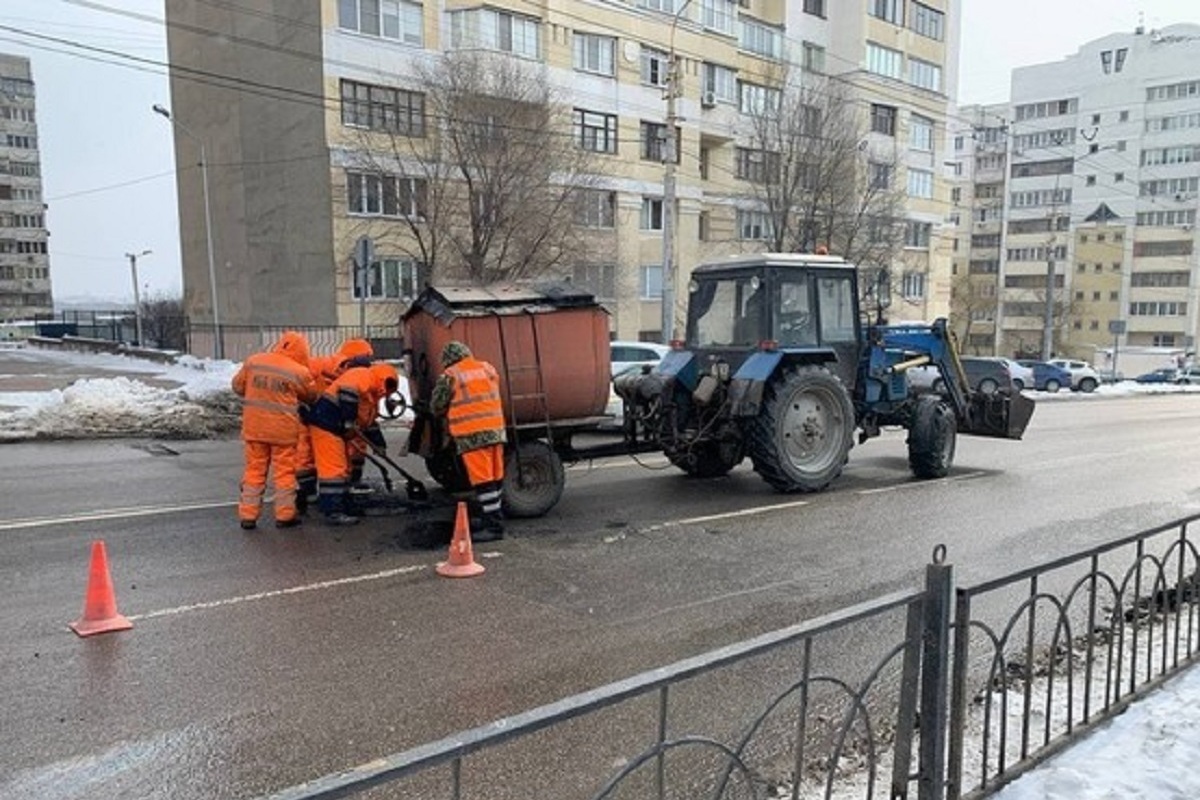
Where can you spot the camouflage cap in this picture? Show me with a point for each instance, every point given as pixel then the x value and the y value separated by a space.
pixel 453 352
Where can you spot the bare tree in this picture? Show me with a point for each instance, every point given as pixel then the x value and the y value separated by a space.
pixel 969 304
pixel 488 189
pixel 812 171
pixel 164 322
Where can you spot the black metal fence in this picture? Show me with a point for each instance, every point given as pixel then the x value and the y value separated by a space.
pixel 883 694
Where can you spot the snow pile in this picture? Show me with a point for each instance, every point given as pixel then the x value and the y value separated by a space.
pixel 202 406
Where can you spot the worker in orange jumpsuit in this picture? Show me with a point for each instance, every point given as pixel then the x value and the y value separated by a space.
pixel 273 385
pixel 468 393
pixel 345 412
pixel 325 370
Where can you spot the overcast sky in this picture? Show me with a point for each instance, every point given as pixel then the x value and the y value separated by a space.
pixel 107 160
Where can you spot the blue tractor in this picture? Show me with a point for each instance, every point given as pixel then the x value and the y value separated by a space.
pixel 780 365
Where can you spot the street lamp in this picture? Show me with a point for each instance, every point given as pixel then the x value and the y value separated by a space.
pixel 137 295
pixel 669 188
pixel 219 346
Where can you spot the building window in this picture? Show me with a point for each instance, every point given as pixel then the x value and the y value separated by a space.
pixel 1119 64
pixel 888 10
pixel 1164 340
pixel 1158 309
pixel 718 15
pixel 495 30
pixel 720 82
pixel 704 232
pixel 755 99
pixel 917 234
pixel 655 66
pixel 389 279
pixel 912 286
pixel 884 61
pixel 650 284
pixel 815 7
pixel 596 208
pixel 389 19
pixel 1106 61
pixel 883 119
pixel 924 75
pixel 920 133
pixel 813 57
pixel 595 131
pixel 665 6
pixel 920 183
pixel 758 166
pixel 926 21
pixel 654 141
pixel 374 194
pixel 382 108
pixel 595 54
pixel 599 279
pixel 761 39
pixel 754 225
pixel 652 214
pixel 880 175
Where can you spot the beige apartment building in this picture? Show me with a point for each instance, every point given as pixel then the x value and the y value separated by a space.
pixel 1087 181
pixel 291 100
pixel 24 263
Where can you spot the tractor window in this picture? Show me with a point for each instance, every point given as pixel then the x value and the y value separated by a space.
pixel 837 310
pixel 795 324
pixel 726 312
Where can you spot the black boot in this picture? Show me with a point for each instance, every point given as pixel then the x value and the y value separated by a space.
pixel 492 529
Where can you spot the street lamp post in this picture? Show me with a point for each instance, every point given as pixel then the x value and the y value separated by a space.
pixel 670 154
pixel 137 295
pixel 219 344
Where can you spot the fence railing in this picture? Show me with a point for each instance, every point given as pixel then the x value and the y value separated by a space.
pixel 883 694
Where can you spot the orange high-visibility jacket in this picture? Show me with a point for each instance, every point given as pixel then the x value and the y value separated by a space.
pixel 352 353
pixel 357 388
pixel 475 405
pixel 272 385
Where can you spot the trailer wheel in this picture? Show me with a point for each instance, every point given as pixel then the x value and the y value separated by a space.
pixel 532 488
pixel 931 439
pixel 802 437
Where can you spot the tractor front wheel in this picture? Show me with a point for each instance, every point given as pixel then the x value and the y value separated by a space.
pixel 931 439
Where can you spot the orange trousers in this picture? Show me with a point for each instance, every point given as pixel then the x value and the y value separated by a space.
pixel 306 460
pixel 262 458
pixel 485 465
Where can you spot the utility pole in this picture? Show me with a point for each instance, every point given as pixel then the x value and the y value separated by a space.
pixel 137 295
pixel 670 157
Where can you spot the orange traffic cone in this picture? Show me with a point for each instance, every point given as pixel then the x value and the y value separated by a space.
pixel 462 562
pixel 100 604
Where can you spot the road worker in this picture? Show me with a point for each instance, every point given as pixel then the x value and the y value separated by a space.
pixel 468 394
pixel 346 412
pixel 325 370
pixel 273 385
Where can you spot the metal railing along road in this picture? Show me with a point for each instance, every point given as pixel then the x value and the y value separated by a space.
pixel 882 699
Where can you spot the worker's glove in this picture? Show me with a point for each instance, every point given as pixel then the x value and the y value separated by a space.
pixel 305 413
pixel 375 436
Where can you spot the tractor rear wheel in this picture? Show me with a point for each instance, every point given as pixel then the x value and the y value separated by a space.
pixel 931 439
pixel 803 434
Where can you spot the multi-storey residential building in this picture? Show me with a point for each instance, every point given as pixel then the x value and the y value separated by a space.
pixel 24 264
pixel 1100 198
pixel 304 90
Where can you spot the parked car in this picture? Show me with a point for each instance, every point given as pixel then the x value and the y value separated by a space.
pixel 987 375
pixel 1022 376
pixel 1047 377
pixel 1188 375
pixel 632 354
pixel 1163 375
pixel 1084 377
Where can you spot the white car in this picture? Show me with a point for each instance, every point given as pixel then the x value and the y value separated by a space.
pixel 1084 377
pixel 1022 376
pixel 631 354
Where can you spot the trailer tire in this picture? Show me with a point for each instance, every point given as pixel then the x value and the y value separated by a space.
pixel 445 467
pixel 801 439
pixel 534 487
pixel 931 439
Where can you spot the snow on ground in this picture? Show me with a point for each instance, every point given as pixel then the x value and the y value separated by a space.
pixel 200 404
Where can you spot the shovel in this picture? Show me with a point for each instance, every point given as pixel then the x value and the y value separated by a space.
pixel 414 488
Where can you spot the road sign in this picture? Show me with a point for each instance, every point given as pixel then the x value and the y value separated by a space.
pixel 1116 326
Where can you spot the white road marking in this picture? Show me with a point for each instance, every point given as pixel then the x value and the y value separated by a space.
pixel 745 512
pixel 917 484
pixel 112 513
pixel 248 598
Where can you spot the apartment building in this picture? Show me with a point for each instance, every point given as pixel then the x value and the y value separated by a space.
pixel 311 89
pixel 24 264
pixel 1099 163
